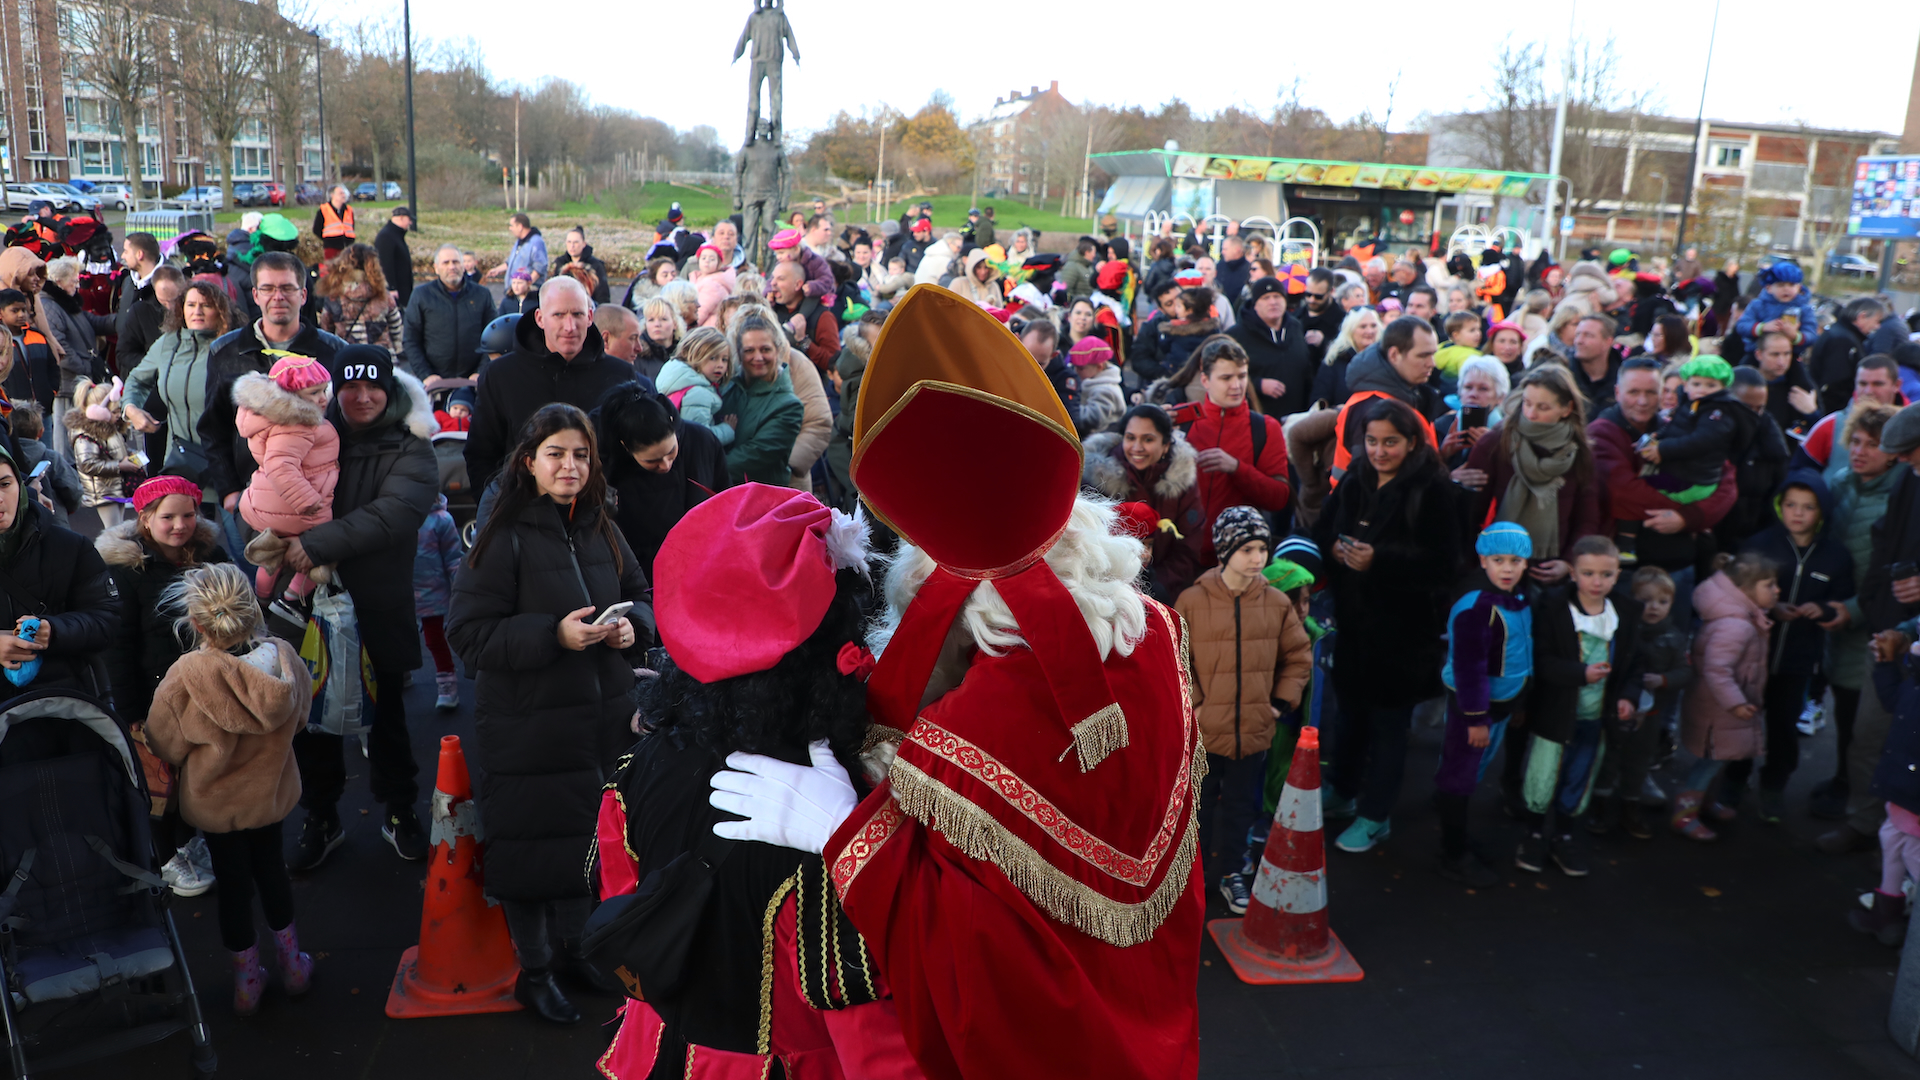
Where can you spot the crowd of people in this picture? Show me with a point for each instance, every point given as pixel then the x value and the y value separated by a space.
pixel 1587 519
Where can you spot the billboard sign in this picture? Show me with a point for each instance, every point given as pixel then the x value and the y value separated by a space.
pixel 1886 198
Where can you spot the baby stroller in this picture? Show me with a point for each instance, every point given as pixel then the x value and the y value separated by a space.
pixel 90 962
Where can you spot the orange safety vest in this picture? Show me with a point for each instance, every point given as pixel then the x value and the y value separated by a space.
pixel 1342 454
pixel 337 226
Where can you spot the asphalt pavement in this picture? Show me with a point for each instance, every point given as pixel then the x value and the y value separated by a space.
pixel 1673 960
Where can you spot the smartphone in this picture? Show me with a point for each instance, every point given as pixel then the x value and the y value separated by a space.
pixel 1186 412
pixel 1349 540
pixel 1473 416
pixel 39 470
pixel 1901 571
pixel 613 613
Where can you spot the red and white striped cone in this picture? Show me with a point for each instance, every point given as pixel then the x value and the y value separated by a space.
pixel 1285 937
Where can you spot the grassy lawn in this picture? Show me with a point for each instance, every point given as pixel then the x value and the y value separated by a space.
pixel 648 203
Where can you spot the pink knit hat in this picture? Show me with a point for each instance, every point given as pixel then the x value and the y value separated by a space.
pixel 785 238
pixel 162 486
pixel 1089 351
pixel 296 373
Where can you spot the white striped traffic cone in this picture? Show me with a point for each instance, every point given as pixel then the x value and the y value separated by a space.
pixel 1285 937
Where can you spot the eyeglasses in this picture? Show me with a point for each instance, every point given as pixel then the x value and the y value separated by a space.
pixel 279 290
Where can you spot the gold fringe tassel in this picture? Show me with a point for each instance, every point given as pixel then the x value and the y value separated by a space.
pixel 1097 736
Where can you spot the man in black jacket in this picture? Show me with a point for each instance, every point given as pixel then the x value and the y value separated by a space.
pixel 558 356
pixel 140 253
pixel 444 321
pixel 396 258
pixel 1320 317
pixel 1233 272
pixel 579 251
pixel 279 287
pixel 1837 352
pixel 1277 355
pixel 388 483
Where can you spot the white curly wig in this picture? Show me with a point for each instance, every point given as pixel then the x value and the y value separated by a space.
pixel 1098 568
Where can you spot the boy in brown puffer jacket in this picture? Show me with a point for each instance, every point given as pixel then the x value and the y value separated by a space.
pixel 1251 658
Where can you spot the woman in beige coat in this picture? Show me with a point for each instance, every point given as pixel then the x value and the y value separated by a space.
pixel 226 715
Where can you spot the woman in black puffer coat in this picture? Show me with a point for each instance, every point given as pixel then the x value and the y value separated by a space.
pixel 555 693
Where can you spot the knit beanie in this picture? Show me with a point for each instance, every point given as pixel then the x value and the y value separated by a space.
pixel 1301 551
pixel 1504 538
pixel 1708 367
pixel 295 373
pixel 162 486
pixel 784 239
pixel 1236 527
pixel 368 363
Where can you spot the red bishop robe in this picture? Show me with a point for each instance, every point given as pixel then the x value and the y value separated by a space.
pixel 1034 917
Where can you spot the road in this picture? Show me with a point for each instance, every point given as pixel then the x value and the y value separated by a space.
pixel 1673 960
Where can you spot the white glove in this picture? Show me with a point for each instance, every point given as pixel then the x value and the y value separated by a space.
pixel 786 805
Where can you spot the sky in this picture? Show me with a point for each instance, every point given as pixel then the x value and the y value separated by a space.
pixel 673 62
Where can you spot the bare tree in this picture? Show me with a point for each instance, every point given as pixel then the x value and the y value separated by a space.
pixel 1513 129
pixel 287 79
pixel 114 49
pixel 216 70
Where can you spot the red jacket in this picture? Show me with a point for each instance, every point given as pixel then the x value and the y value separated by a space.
pixel 1628 497
pixel 1263 485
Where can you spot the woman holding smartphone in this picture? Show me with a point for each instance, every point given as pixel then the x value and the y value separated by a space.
pixel 1395 539
pixel 1483 386
pixel 554 691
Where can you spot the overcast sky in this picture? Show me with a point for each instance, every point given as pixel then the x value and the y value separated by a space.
pixel 673 61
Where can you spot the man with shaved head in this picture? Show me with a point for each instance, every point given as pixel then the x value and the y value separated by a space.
pixel 558 355
pixel 443 321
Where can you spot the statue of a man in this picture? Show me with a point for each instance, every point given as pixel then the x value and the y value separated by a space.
pixel 760 181
pixel 768 29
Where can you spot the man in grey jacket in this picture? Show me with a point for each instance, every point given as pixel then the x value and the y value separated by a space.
pixel 444 319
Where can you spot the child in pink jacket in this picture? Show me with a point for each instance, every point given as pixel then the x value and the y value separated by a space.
pixel 282 415
pixel 1720 719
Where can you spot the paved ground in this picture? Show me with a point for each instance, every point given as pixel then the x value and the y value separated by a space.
pixel 1672 960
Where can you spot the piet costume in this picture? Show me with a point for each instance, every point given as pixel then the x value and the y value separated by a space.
pixel 1025 877
pixel 757 601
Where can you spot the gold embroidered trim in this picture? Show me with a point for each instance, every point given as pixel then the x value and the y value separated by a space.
pixel 766 966
pixel 1097 736
pixel 979 836
pixel 880 733
pixel 864 846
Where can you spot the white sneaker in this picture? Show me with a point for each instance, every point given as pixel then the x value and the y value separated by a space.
pixel 448 687
pixel 1812 719
pixel 183 877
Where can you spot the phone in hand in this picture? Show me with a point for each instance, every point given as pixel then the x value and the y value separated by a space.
pixel 1899 571
pixel 613 613
pixel 1474 416
pixel 39 470
pixel 1185 412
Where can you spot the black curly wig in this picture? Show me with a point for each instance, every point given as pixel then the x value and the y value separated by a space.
pixel 778 711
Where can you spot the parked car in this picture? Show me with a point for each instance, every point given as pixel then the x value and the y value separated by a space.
pixel 21 196
pixel 391 190
pixel 200 198
pixel 368 190
pixel 68 199
pixel 1851 265
pixel 274 192
pixel 308 193
pixel 115 196
pixel 243 195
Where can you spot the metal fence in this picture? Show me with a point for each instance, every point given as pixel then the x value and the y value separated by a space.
pixel 167 224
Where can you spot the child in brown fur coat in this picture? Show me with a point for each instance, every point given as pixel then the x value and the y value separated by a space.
pixel 226 714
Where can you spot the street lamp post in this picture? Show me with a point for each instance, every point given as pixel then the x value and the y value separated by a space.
pixel 1699 129
pixel 413 186
pixel 1660 215
pixel 320 88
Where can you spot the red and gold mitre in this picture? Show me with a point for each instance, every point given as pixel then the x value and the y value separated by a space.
pixel 962 447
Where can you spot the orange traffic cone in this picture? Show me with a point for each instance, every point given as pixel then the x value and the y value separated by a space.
pixel 464 962
pixel 1285 937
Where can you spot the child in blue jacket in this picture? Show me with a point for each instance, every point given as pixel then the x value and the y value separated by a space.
pixel 434 564
pixel 1781 294
pixel 1489 659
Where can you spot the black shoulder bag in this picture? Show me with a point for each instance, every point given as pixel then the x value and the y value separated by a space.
pixel 643 937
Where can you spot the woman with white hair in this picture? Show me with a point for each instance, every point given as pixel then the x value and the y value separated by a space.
pixel 1484 384
pixel 661 329
pixel 76 330
pixel 1360 329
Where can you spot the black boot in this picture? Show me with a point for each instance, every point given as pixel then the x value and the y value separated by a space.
pixel 584 973
pixel 536 990
pixel 1605 816
pixel 1886 920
